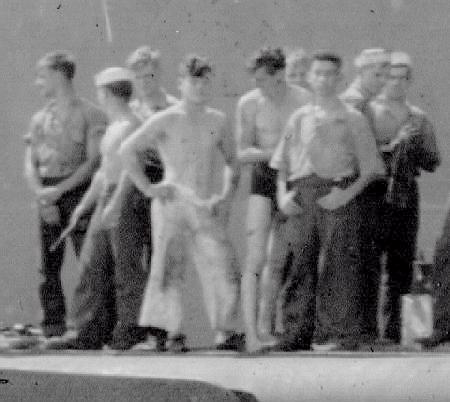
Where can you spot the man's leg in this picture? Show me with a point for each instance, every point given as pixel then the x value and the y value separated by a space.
pixel 299 291
pixel 441 281
pixel 279 248
pixel 161 305
pixel 339 289
pixel 94 299
pixel 130 276
pixel 401 251
pixel 50 289
pixel 371 201
pixel 216 264
pixel 259 217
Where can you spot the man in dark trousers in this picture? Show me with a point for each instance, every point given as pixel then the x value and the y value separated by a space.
pixel 326 157
pixel 372 70
pixel 406 140
pixel 61 155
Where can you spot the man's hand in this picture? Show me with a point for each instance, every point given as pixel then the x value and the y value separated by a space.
pixel 335 199
pixel 49 213
pixel 110 217
pixel 48 195
pixel 288 205
pixel 163 191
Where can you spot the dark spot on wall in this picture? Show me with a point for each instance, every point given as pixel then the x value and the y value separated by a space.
pixel 59 6
pixel 372 11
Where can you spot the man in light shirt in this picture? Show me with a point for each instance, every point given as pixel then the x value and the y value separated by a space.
pixel 326 157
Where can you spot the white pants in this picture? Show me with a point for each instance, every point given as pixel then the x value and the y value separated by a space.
pixel 181 231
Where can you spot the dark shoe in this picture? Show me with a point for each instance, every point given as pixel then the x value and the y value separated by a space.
pixel 54 330
pixel 125 337
pixel 61 343
pixel 290 346
pixel 234 342
pixel 434 340
pixel 177 344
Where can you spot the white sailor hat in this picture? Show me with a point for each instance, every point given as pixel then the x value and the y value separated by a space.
pixel 401 59
pixel 113 74
pixel 372 56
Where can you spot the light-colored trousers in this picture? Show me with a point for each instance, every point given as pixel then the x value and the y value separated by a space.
pixel 183 232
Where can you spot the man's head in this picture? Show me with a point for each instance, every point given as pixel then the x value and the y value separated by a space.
pixel 373 69
pixel 195 79
pixel 325 73
pixel 268 69
pixel 114 85
pixel 146 65
pixel 400 76
pixel 297 66
pixel 54 70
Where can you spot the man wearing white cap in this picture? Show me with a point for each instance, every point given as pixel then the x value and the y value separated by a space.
pixel 372 71
pixel 406 139
pixel 95 296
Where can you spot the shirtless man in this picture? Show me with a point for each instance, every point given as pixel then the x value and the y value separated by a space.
pixel 130 207
pixel 372 71
pixel 406 139
pixel 325 159
pixel 186 212
pixel 297 66
pixel 61 156
pixel 95 304
pixel 261 117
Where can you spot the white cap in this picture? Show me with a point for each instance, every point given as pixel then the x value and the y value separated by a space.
pixel 372 56
pixel 401 59
pixel 113 74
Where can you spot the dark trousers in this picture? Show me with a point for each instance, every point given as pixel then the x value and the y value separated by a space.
pixel 109 295
pixel 441 281
pixel 133 251
pixel 50 289
pixel 336 288
pixel 94 305
pixel 399 240
pixel 371 202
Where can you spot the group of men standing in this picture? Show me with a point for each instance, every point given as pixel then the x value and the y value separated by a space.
pixel 333 188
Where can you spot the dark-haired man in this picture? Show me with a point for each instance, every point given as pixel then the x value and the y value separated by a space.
pixel 261 117
pixel 187 214
pixel 61 156
pixel 130 207
pixel 325 158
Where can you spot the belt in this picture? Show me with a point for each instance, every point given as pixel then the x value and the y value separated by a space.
pixel 314 181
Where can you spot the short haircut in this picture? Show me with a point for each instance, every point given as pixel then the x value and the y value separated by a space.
pixel 328 56
pixel 298 56
pixel 195 66
pixel 121 89
pixel 142 57
pixel 60 61
pixel 272 59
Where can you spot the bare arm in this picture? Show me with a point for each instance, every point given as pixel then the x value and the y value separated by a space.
pixel 232 170
pixel 130 149
pixel 247 152
pixel 31 171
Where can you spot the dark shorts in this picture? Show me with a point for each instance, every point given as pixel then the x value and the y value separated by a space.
pixel 264 181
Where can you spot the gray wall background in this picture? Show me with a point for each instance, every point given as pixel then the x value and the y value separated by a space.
pixel 225 30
